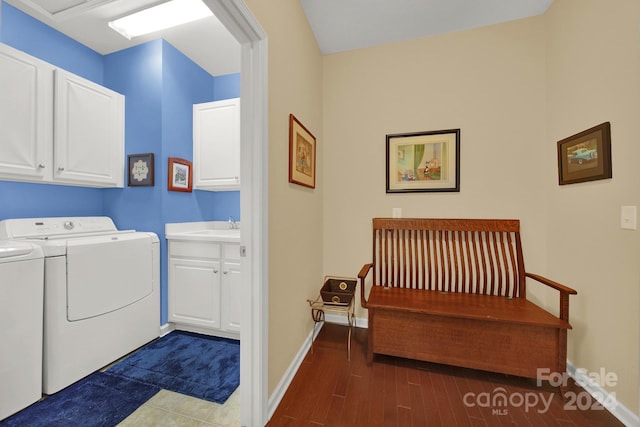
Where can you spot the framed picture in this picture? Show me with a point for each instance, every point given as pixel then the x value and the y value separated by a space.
pixel 302 154
pixel 141 172
pixel 423 161
pixel 585 156
pixel 180 175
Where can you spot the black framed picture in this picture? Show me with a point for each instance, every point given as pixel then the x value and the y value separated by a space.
pixel 141 171
pixel 423 161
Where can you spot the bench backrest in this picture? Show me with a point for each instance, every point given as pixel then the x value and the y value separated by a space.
pixel 482 256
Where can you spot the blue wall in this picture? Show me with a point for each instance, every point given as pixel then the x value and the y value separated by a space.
pixel 160 85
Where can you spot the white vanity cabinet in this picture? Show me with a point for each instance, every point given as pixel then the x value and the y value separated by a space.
pixel 216 145
pixel 230 288
pixel 204 287
pixel 56 127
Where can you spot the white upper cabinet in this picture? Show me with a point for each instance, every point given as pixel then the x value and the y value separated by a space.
pixel 85 145
pixel 26 116
pixel 216 145
pixel 89 132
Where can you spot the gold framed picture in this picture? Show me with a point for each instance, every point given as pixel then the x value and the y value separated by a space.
pixel 302 154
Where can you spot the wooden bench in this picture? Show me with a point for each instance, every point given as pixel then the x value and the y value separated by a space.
pixel 453 291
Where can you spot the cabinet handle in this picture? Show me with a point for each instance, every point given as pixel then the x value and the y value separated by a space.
pixel 60 168
pixel 41 165
pixel 225 272
pixel 215 271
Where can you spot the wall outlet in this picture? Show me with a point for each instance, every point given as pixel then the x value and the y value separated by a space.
pixel 628 217
pixel 396 213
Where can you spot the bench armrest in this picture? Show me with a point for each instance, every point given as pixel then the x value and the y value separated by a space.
pixel 551 283
pixel 362 275
pixel 565 291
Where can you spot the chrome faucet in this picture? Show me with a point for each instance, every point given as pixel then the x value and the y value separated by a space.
pixel 233 225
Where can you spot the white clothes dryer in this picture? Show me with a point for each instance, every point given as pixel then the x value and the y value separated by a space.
pixel 21 296
pixel 101 292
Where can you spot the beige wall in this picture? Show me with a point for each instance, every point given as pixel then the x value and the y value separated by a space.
pixel 295 212
pixel 513 89
pixel 594 76
pixel 488 82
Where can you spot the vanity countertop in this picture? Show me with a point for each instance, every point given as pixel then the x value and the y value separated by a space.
pixel 214 231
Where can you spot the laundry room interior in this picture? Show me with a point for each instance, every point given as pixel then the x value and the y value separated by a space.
pixel 162 85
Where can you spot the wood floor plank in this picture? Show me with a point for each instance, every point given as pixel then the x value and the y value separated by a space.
pixel 342 381
pixel 418 415
pixel 376 396
pixel 404 417
pixel 403 398
pixel 390 401
pixel 429 396
pixel 324 385
pixel 470 388
pixel 335 411
pixel 356 402
pixel 442 401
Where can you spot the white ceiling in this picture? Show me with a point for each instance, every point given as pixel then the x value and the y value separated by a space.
pixel 338 25
pixel 207 42
pixel 341 25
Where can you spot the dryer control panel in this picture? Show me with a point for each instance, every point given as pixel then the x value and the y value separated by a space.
pixel 46 228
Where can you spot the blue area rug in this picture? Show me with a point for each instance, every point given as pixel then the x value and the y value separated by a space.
pixel 99 400
pixel 196 365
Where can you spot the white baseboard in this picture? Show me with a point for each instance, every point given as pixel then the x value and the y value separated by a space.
pixel 621 412
pixel 285 382
pixel 166 328
pixel 361 322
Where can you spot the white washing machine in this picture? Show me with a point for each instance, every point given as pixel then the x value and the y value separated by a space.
pixel 21 302
pixel 101 292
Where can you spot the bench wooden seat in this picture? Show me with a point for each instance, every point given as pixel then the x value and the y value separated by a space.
pixel 453 291
pixel 478 307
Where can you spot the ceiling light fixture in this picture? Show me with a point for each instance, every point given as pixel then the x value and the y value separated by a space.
pixel 165 15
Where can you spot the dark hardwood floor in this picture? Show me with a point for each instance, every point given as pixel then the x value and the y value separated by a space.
pixel 330 391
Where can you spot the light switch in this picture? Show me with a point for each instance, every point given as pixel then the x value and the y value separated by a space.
pixel 628 215
pixel 397 213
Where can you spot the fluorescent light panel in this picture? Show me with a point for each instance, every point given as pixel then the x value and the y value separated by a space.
pixel 165 15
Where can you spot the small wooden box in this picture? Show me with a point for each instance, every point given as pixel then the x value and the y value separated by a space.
pixel 338 290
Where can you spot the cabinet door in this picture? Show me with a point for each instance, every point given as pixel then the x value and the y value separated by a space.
pixel 231 296
pixel 89 133
pixel 216 145
pixel 26 116
pixel 194 292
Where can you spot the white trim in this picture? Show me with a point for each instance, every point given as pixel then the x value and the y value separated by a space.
pixel 166 328
pixel 290 373
pixel 621 412
pixel 341 319
pixel 204 331
pixel 70 12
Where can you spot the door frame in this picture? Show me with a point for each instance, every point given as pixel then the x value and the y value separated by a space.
pixel 240 22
